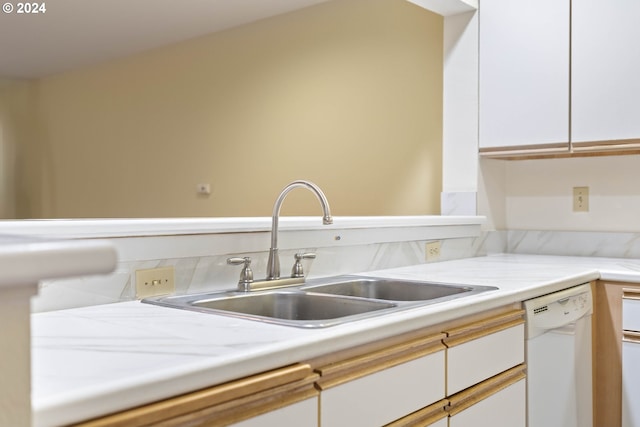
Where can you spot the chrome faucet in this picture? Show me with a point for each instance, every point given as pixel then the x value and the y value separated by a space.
pixel 273 264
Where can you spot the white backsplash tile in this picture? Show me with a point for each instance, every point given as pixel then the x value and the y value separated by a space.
pixel 212 273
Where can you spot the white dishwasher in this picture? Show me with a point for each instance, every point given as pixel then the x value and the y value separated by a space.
pixel 558 357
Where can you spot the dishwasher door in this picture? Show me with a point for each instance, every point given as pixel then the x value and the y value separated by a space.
pixel 558 357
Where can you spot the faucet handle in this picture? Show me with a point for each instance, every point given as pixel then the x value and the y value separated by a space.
pixel 246 275
pixel 297 271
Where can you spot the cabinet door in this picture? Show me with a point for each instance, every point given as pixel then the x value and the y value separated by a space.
pixel 524 73
pixel 505 408
pixel 384 396
pixel 472 361
pixel 605 59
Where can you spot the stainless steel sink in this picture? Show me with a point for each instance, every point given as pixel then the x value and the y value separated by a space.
pixel 322 302
pixel 393 289
pixel 288 307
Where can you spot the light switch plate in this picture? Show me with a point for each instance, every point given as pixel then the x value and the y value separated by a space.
pixel 581 199
pixel 155 281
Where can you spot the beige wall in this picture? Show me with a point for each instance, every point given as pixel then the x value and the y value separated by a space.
pixel 17 124
pixel 347 94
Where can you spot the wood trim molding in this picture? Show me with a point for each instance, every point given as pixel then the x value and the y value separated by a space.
pixel 484 327
pixel 622 144
pixel 631 293
pixel 524 150
pixel 347 370
pixel 423 417
pixel 469 397
pixel 631 336
pixel 224 404
pixel 554 151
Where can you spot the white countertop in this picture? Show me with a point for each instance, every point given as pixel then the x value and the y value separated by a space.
pixel 96 360
pixel 27 260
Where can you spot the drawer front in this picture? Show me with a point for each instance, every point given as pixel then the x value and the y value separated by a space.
pixel 631 314
pixel 474 361
pixel 384 396
pixel 506 408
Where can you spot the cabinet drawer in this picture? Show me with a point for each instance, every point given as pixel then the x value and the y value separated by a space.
pixel 384 396
pixel 631 311
pixel 506 408
pixel 470 362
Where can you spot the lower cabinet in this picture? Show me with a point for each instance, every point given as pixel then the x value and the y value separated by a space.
pixel 616 355
pixel 471 374
pixel 484 348
pixel 498 402
pixel 282 397
pixel 467 372
pixel 486 372
pixel 379 387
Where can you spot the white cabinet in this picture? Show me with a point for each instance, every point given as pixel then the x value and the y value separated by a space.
pixel 281 397
pixel 605 63
pixel 558 77
pixel 524 74
pixel 486 372
pixel 506 407
pixel 483 349
pixel 378 388
pixel 631 358
pixel 473 361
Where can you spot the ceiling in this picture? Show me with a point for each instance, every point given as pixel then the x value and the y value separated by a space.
pixel 76 33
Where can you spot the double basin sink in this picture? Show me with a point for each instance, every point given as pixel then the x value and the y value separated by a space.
pixel 322 302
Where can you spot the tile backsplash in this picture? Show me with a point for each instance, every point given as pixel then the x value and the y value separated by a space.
pixel 200 260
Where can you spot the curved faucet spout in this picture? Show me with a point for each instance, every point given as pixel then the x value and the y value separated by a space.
pixel 273 265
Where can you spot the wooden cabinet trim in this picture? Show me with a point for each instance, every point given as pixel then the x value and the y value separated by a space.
pixel 247 407
pixel 423 417
pixel 631 336
pixel 631 293
pixel 483 327
pixel 524 150
pixel 469 397
pixel 344 371
pixel 235 400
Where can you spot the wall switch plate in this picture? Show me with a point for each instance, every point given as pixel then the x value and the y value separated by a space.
pixel 155 281
pixel 581 199
pixel 432 251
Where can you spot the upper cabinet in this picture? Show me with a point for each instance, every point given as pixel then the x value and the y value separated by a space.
pixel 524 75
pixel 558 77
pixel 605 58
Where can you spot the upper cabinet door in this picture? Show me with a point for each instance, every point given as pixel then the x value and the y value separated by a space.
pixel 524 73
pixel 605 99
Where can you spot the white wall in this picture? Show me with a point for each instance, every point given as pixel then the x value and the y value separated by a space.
pixel 537 194
pixel 460 115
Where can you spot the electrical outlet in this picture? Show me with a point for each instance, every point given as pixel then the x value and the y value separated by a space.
pixel 203 189
pixel 155 281
pixel 432 251
pixel 581 199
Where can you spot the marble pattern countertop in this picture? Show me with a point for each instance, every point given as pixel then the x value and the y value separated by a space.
pixel 92 361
